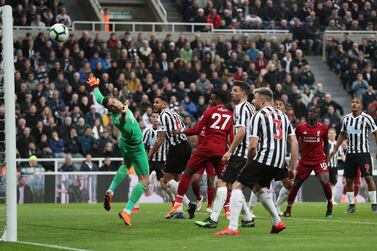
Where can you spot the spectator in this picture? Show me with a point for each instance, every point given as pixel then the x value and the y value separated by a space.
pixel 327 101
pixel 107 166
pixel 87 140
pixel 88 165
pixel 186 52
pixel 369 96
pixel 57 145
pixel 33 167
pixel 68 165
pixel 189 107
pixel 359 87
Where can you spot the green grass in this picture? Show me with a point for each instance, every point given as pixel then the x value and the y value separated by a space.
pixel 88 226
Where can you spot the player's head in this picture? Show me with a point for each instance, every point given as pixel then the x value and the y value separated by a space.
pixel 262 97
pixel 154 119
pixel 160 102
pixel 357 105
pixel 240 91
pixel 279 104
pixel 332 134
pixel 313 113
pixel 112 104
pixel 217 97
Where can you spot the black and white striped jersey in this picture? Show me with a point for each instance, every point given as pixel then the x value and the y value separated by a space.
pixel 333 162
pixel 358 130
pixel 149 139
pixel 242 115
pixel 171 121
pixel 271 127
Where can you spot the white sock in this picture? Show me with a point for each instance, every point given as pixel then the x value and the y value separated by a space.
pixel 350 197
pixel 137 205
pixel 372 197
pixel 236 202
pixel 219 202
pixel 333 190
pixel 246 210
pixel 265 199
pixel 283 195
pixel 186 201
pixel 172 187
pixel 112 192
pixel 253 201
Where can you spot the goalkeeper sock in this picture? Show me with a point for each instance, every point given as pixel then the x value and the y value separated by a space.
pixel 118 178
pixel 135 196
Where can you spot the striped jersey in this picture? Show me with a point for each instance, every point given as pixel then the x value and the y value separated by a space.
pixel 333 162
pixel 149 139
pixel 242 115
pixel 358 130
pixel 171 121
pixel 271 127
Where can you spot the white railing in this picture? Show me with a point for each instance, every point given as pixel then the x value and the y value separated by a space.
pixel 160 10
pixel 58 162
pixel 133 26
pixel 250 31
pixel 331 33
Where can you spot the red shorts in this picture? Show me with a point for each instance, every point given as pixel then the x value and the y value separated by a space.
pixel 303 171
pixel 205 159
pixel 209 168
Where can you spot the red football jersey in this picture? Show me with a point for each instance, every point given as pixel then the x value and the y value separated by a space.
pixel 312 143
pixel 217 122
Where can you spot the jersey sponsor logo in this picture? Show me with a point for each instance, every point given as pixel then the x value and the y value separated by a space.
pixel 351 130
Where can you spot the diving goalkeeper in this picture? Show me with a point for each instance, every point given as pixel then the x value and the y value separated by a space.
pixel 131 146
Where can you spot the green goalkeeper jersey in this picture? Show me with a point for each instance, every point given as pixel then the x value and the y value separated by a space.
pixel 130 130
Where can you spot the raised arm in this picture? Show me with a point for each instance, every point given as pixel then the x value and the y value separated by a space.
pixel 94 84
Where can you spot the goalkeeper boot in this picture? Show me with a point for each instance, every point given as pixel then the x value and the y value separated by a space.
pixel 207 223
pixel 125 217
pixel 107 200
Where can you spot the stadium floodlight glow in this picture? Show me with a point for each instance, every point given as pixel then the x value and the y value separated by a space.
pixel 10 233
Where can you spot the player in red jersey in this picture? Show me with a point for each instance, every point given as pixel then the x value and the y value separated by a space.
pixel 313 137
pixel 218 123
pixel 196 178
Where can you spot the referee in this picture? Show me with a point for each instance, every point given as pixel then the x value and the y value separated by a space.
pixel 356 126
pixel 270 131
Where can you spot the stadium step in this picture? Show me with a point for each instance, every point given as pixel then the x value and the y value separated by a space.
pixel 172 11
pixel 333 85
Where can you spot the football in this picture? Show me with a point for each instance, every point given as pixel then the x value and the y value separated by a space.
pixel 58 32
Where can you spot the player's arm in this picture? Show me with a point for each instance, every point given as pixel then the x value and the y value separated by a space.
pixel 237 139
pixel 197 128
pixel 326 146
pixel 123 117
pixel 160 140
pixel 94 84
pixel 342 136
pixel 253 143
pixel 375 137
pixel 292 140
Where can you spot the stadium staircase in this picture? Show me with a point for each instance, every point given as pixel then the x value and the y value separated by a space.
pixel 80 10
pixel 173 14
pixel 332 84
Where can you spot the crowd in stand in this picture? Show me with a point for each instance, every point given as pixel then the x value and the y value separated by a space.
pixel 38 13
pixel 356 64
pixel 306 20
pixel 56 113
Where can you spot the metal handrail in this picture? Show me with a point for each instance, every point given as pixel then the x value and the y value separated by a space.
pixel 161 8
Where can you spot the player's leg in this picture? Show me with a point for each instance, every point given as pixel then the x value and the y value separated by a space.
pixel 211 190
pixel 333 177
pixel 253 201
pixel 366 172
pixel 303 173
pixel 350 173
pixel 283 193
pixel 141 166
pixel 324 179
pixel 195 184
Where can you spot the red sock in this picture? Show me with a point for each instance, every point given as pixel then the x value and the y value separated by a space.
pixel 356 190
pixel 196 190
pixel 211 195
pixel 328 194
pixel 184 183
pixel 344 189
pixel 291 197
pixel 226 205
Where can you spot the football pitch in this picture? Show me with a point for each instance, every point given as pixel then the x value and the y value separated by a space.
pixel 90 227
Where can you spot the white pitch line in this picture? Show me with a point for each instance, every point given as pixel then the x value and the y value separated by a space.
pixel 328 220
pixel 51 246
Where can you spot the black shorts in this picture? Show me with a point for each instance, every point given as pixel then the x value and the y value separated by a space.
pixel 281 174
pixel 257 173
pixel 157 166
pixel 177 158
pixel 333 175
pixel 355 161
pixel 236 163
